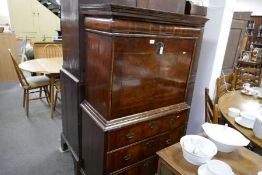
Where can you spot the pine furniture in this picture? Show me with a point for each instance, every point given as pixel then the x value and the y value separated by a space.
pixel 50 67
pixel 31 84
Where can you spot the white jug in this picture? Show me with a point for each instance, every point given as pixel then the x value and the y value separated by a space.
pixel 257 128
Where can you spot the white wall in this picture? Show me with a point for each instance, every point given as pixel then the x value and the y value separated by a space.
pixel 214 43
pixel 30 19
pixel 4 14
pixel 250 5
pixel 211 59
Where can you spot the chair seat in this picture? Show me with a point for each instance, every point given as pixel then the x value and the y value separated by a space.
pixel 37 81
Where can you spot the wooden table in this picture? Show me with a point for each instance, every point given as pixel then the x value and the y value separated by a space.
pixel 242 161
pixel 49 66
pixel 245 103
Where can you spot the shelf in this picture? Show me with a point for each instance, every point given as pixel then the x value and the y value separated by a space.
pixel 248 63
pixel 256 44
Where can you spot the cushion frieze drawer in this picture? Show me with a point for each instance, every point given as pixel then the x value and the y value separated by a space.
pixel 126 156
pixel 128 135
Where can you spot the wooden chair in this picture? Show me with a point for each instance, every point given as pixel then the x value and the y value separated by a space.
pixel 58 91
pixel 247 75
pixel 211 109
pixel 52 51
pixel 224 84
pixel 30 84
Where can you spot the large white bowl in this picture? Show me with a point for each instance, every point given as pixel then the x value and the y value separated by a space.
pixel 225 138
pixel 197 149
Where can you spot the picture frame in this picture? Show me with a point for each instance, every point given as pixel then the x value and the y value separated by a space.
pixel 254 54
pixel 246 55
pixel 259 53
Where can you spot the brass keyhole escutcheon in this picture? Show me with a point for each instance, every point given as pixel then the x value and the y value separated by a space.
pixel 160 47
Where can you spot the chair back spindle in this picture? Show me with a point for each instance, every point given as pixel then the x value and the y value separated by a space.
pixel 211 109
pixel 224 84
pixel 19 73
pixel 247 75
pixel 52 51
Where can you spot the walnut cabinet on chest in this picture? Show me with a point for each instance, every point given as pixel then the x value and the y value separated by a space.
pixel 137 64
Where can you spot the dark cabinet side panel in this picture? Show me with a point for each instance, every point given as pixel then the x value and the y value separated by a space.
pixel 71 36
pixel 98 72
pixel 92 146
pixel 72 94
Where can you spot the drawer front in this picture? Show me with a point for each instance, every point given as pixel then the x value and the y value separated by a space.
pixel 146 167
pixel 126 136
pixel 149 76
pixel 130 155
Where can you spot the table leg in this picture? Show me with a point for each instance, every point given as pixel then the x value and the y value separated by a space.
pixel 52 83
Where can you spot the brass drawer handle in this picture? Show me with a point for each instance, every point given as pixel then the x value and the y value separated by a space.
pixel 130 135
pixel 169 142
pixel 127 157
pixel 152 124
pixel 172 121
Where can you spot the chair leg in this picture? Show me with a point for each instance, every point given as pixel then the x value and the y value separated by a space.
pixel 24 98
pixel 46 95
pixel 40 94
pixel 27 102
pixel 55 99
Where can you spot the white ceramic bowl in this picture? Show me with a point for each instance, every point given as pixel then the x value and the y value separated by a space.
pixel 233 112
pixel 215 167
pixel 225 138
pixel 197 149
pixel 218 167
pixel 257 129
pixel 248 118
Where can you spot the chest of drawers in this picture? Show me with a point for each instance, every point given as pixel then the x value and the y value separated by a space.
pixel 137 66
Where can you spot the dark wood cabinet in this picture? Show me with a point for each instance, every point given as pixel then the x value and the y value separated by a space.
pixel 235 40
pixel 137 65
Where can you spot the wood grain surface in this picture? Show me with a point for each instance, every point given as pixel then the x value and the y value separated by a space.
pixel 7 70
pixel 242 161
pixel 245 103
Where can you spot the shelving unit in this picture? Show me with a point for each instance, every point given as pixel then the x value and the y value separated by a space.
pixel 250 34
pixel 257 32
pixel 258 41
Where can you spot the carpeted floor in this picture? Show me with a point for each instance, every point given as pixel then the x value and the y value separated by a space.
pixel 30 146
